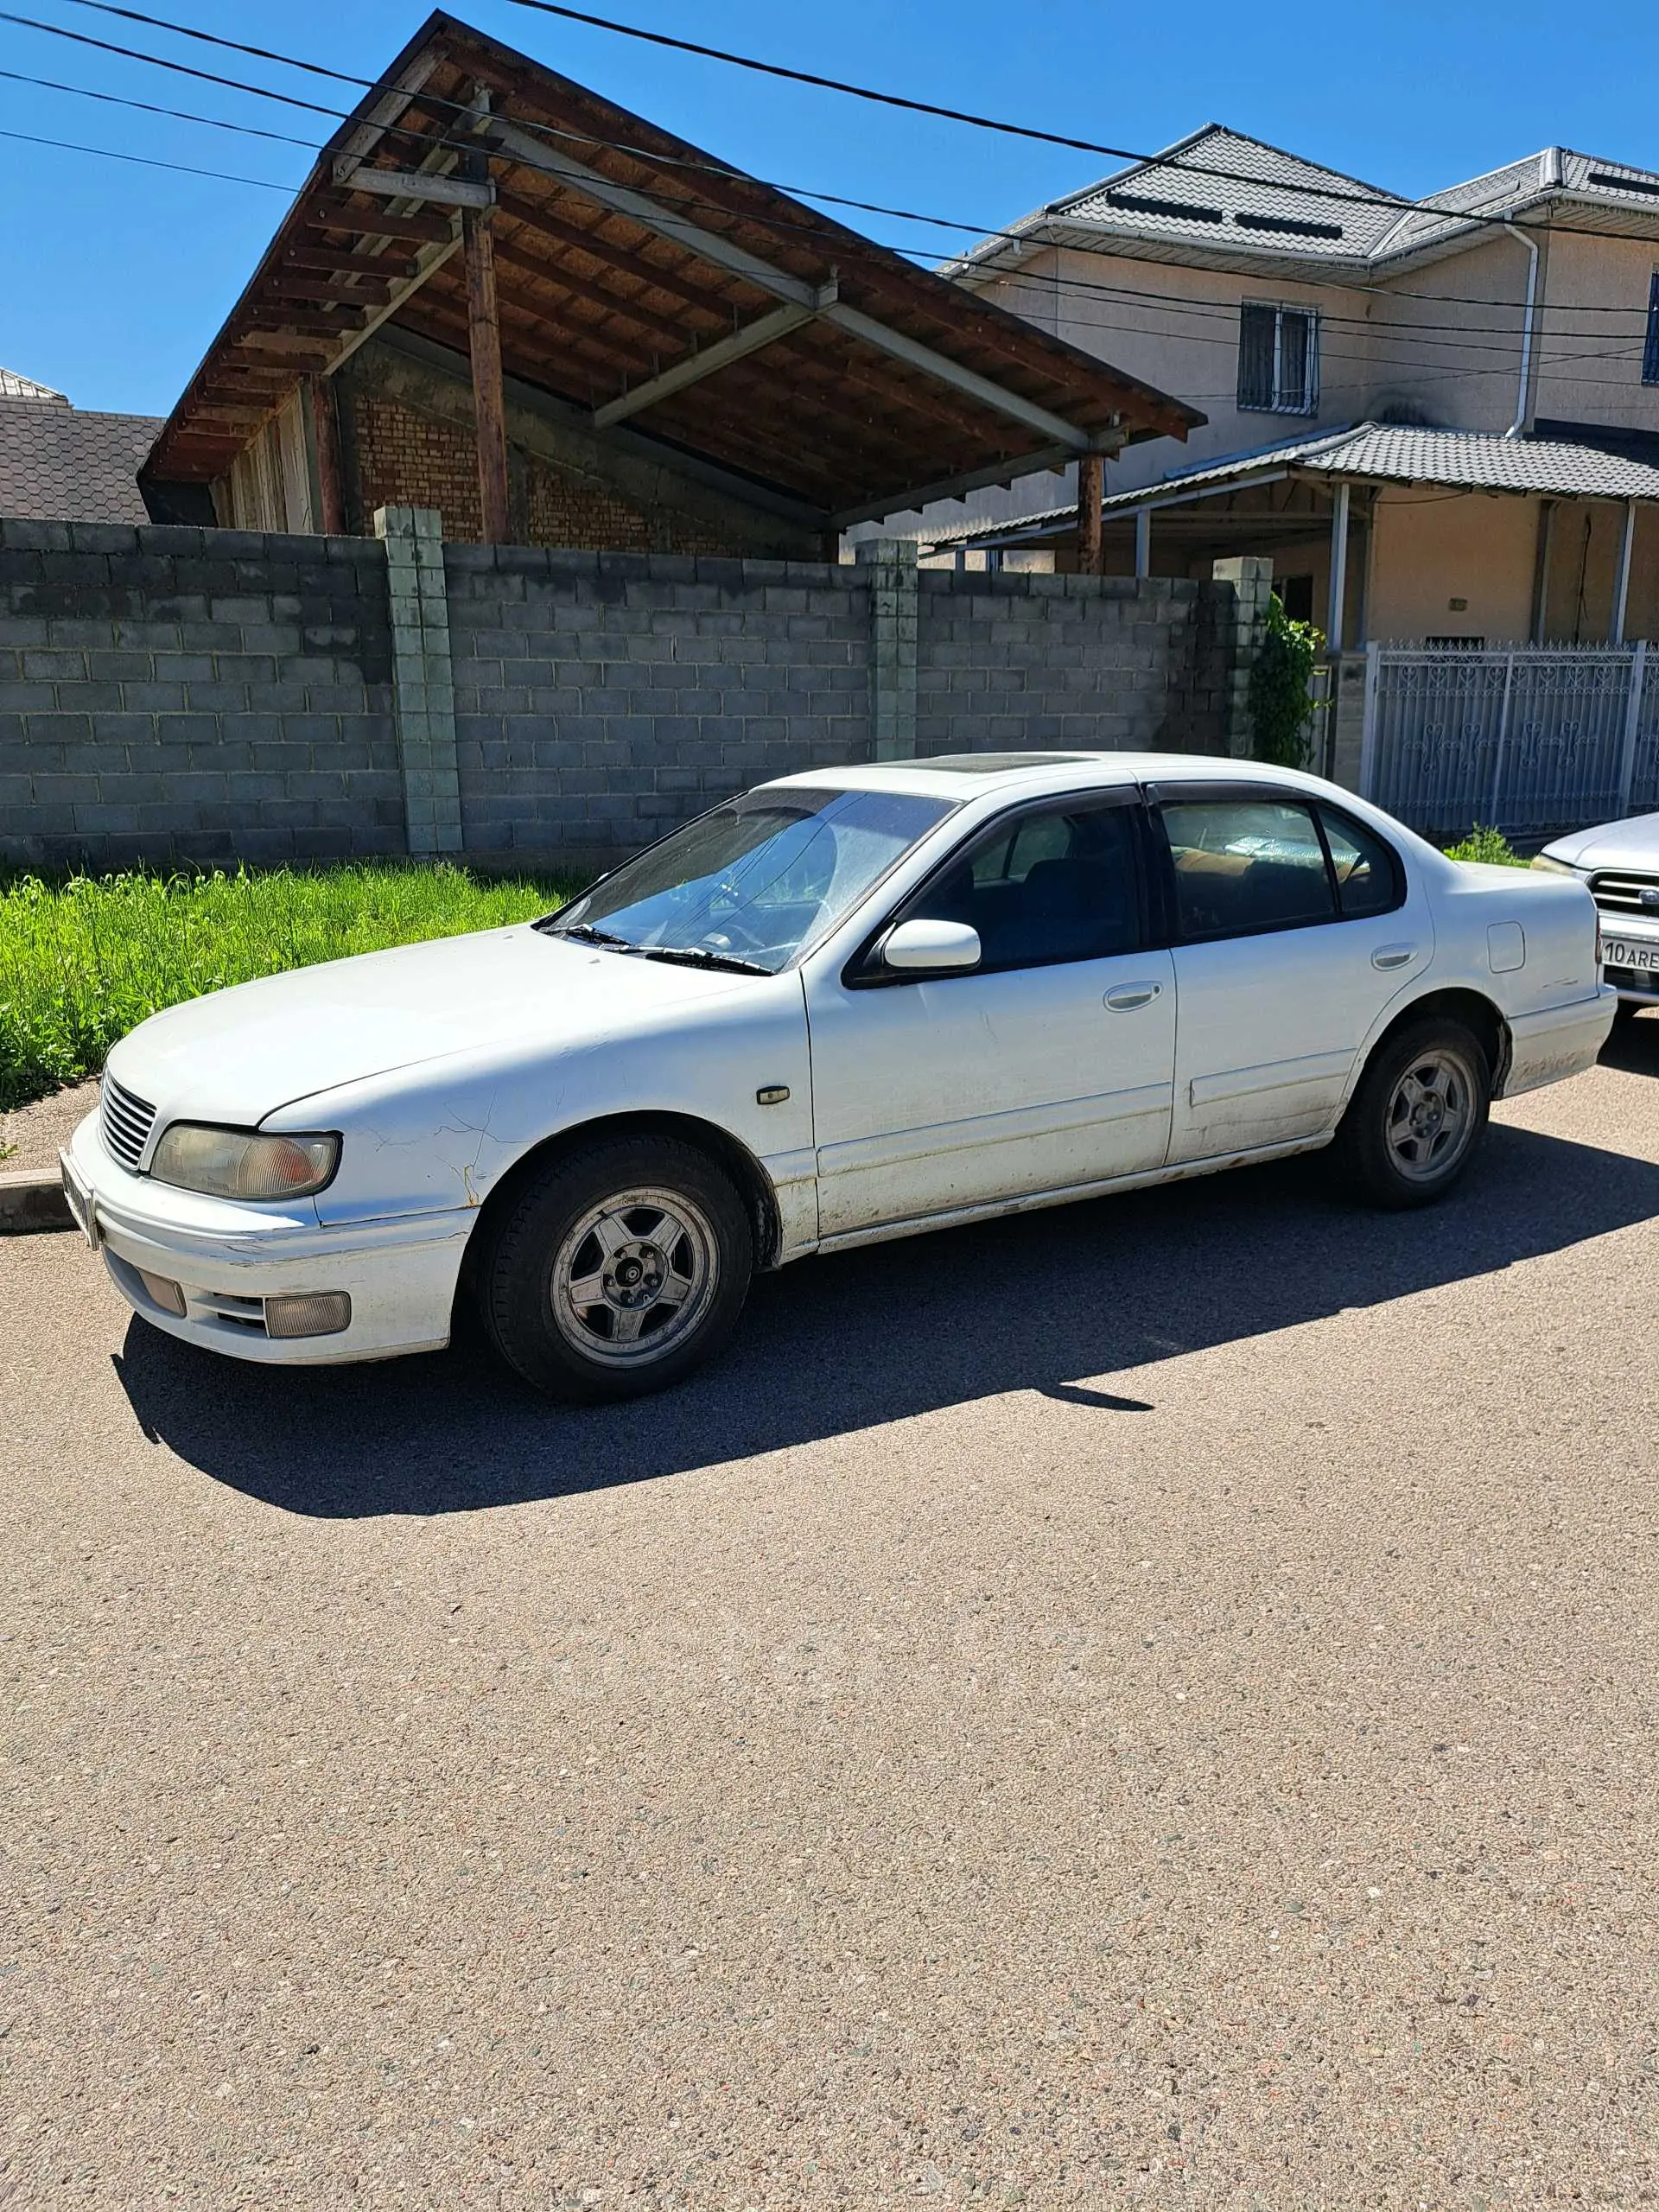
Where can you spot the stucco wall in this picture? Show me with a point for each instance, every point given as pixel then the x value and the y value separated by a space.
pixel 1429 547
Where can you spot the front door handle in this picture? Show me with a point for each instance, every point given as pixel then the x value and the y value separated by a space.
pixel 1127 996
pixel 1393 955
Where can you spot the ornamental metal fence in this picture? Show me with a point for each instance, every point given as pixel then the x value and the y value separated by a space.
pixel 1531 740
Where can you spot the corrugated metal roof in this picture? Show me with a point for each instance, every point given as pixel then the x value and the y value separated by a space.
pixel 1384 452
pixel 57 465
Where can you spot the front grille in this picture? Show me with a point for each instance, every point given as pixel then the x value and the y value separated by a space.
pixel 127 1123
pixel 1626 893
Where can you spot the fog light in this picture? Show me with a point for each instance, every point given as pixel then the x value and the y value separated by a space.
pixel 166 1294
pixel 322 1314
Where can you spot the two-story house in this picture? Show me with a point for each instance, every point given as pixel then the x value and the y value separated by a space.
pixel 1438 418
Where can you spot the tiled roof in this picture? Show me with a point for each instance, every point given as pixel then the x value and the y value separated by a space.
pixel 1470 460
pixel 57 465
pixel 1244 206
pixel 12 386
pixel 1220 194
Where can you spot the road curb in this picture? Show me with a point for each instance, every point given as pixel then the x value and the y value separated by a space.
pixel 30 1201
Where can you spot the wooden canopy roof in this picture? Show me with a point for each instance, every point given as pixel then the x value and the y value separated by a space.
pixel 639 281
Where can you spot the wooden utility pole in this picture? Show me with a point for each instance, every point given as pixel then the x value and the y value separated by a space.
pixel 324 433
pixel 1091 487
pixel 484 344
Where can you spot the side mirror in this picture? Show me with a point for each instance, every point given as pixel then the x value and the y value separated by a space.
pixel 931 948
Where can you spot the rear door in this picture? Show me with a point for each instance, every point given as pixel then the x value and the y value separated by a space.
pixel 1048 1067
pixel 1294 926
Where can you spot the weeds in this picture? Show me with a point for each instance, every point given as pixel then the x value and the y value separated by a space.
pixel 82 961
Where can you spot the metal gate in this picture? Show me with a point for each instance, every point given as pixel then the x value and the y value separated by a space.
pixel 1531 740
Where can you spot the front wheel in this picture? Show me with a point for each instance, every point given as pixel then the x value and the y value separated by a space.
pixel 617 1270
pixel 1416 1120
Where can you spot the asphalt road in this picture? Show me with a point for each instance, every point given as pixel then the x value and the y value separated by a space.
pixel 1150 1703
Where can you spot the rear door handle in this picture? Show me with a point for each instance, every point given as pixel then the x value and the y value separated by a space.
pixel 1127 996
pixel 1393 955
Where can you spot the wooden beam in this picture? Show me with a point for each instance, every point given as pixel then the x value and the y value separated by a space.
pixel 1091 486
pixel 419 184
pixel 536 217
pixel 325 434
pixel 331 261
pixel 363 292
pixel 276 319
pixel 428 262
pixel 726 252
pixel 709 361
pixel 383 223
pixel 511 254
pixel 483 348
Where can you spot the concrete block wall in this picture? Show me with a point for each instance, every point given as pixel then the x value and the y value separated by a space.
pixel 600 698
pixel 171 695
pixel 1015 661
pixel 179 696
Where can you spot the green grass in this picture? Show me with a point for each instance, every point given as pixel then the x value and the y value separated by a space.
pixel 1491 846
pixel 83 960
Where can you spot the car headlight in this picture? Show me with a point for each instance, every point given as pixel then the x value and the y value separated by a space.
pixel 1554 868
pixel 240 1164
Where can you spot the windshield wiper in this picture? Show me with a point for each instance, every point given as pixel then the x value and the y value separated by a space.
pixel 589 935
pixel 698 956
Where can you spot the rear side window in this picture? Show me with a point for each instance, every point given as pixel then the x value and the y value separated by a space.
pixel 1246 865
pixel 1368 875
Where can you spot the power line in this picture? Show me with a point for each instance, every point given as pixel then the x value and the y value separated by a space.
pixel 719 170
pixel 105 153
pixel 148 107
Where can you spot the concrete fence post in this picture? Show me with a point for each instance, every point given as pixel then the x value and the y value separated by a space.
pixel 1251 578
pixel 893 600
pixel 422 677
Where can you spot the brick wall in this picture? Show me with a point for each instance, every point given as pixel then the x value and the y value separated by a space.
pixel 407 457
pixel 173 694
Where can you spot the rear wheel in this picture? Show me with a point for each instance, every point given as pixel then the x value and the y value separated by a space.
pixel 1416 1120
pixel 618 1270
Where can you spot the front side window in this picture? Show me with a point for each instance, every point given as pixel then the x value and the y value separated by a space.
pixel 1056 884
pixel 1243 866
pixel 1650 351
pixel 1278 358
pixel 755 882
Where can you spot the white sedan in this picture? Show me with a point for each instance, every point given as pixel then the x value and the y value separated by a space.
pixel 847 1006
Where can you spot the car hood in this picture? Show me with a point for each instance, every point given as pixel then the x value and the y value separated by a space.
pixel 1632 844
pixel 237 1055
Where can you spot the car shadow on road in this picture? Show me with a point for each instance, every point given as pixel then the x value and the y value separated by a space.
pixel 1057 1301
pixel 1634 1046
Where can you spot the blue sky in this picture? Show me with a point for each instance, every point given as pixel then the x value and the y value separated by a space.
pixel 113 278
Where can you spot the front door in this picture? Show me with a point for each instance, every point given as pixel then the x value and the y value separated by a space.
pixel 1295 928
pixel 1048 1067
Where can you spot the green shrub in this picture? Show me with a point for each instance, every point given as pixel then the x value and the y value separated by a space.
pixel 1488 846
pixel 1281 700
pixel 82 961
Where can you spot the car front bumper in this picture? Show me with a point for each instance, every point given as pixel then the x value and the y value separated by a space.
pixel 227 1259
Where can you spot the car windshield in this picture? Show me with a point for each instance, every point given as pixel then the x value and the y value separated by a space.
pixel 753 884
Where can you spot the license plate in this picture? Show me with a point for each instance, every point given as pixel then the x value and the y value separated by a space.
pixel 1628 952
pixel 80 1199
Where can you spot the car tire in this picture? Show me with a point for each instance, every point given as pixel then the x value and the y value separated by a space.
pixel 1416 1120
pixel 617 1270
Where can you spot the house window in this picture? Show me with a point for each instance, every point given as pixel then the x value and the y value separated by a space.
pixel 1650 351
pixel 1278 358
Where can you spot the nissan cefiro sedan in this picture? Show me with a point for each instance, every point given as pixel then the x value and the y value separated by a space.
pixel 849 1005
pixel 1619 864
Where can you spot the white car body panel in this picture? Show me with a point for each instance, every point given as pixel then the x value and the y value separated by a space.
pixel 1618 863
pixel 907 1106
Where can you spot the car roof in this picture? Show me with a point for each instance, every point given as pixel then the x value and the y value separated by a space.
pixel 980 775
